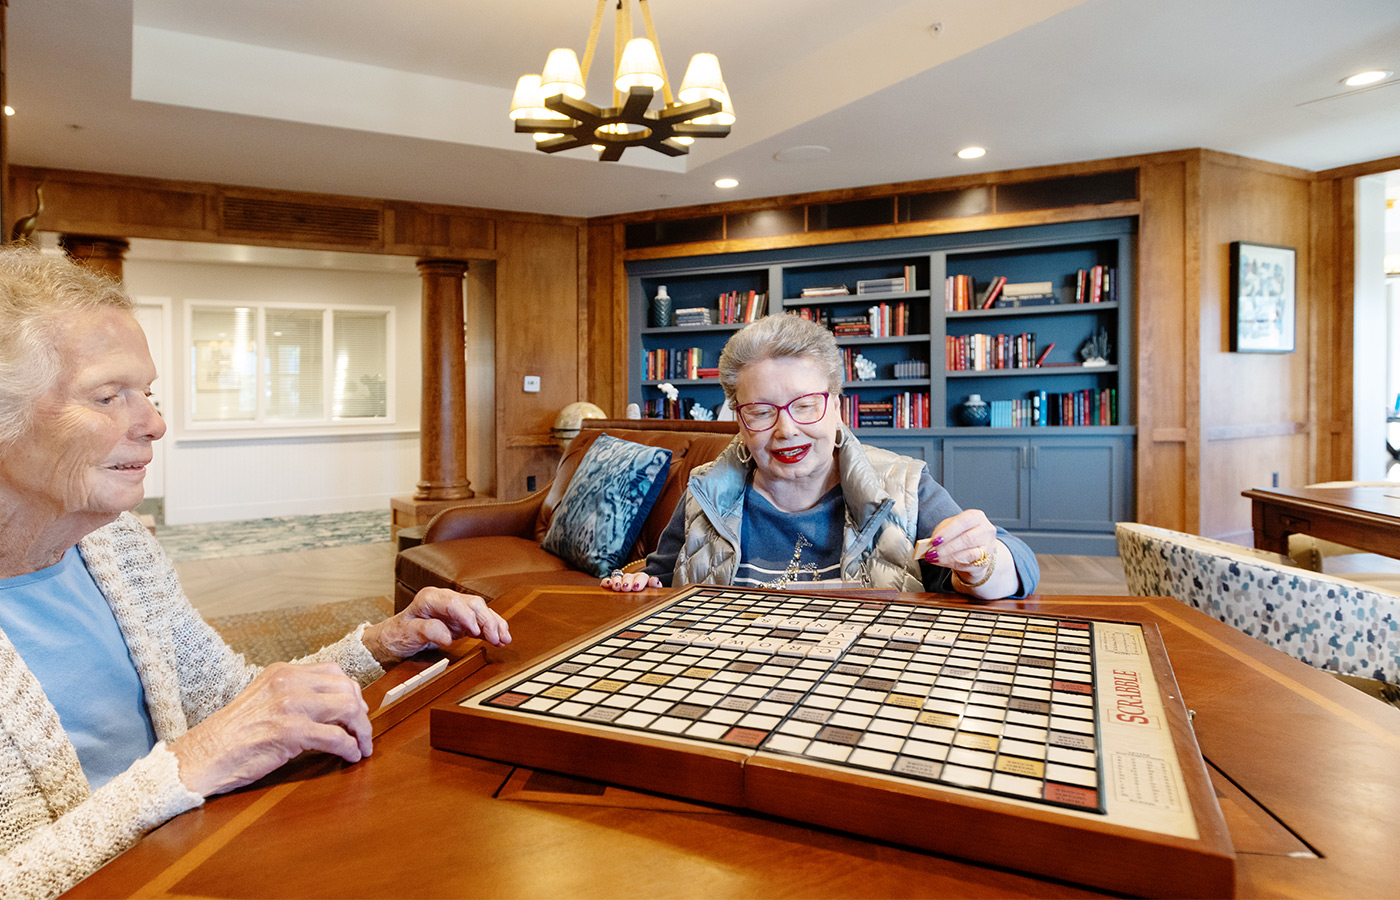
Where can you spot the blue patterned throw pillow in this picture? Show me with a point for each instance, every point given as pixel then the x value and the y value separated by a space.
pixel 604 506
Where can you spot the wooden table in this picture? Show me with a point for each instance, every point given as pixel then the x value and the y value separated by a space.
pixel 1367 518
pixel 1307 771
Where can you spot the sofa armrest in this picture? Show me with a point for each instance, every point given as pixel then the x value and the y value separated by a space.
pixel 513 518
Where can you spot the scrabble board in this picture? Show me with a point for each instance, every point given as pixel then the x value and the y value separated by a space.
pixel 1048 744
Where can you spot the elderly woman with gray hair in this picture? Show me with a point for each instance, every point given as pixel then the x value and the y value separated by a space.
pixel 796 498
pixel 119 706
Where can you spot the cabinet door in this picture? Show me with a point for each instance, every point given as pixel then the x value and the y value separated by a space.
pixel 990 474
pixel 1078 483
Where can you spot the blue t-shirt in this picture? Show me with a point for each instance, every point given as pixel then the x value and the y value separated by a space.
pixel 782 547
pixel 66 634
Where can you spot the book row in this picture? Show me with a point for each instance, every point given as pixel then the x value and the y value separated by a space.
pixel 1096 284
pixel 903 410
pixel 695 315
pixel 680 362
pixel 979 352
pixel 897 284
pixel 665 408
pixel 741 307
pixel 910 409
pixel 1083 407
pixel 880 320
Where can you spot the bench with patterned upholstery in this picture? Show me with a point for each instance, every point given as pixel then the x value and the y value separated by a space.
pixel 1327 622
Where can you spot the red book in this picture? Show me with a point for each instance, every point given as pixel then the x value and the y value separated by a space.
pixel 994 291
pixel 1041 361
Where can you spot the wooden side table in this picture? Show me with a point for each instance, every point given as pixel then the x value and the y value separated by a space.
pixel 407 512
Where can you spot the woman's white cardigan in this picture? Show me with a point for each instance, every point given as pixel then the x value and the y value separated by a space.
pixel 54 831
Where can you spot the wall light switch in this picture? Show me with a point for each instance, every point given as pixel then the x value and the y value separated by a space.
pixel 532 384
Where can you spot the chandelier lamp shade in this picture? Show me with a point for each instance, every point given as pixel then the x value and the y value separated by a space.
pixel 551 105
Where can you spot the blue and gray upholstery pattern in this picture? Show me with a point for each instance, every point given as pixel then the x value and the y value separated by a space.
pixel 1327 622
pixel 602 510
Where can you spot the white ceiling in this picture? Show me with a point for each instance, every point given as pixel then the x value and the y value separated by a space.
pixel 408 99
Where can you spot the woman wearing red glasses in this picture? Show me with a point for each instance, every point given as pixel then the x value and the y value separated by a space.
pixel 796 498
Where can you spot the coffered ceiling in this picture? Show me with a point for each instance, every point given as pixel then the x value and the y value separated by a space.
pixel 408 99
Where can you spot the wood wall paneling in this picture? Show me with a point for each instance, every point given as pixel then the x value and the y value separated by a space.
pixel 606 303
pixel 1333 237
pixel 1254 404
pixel 118 207
pixel 1168 443
pixel 1320 324
pixel 537 333
pixel 128 206
pixel 446 230
pixel 1338 399
pixel 481 376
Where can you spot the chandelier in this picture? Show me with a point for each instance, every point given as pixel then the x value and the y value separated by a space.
pixel 551 106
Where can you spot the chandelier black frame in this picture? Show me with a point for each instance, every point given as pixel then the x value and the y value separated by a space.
pixel 630 123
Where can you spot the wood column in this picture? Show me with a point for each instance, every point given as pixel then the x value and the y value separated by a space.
pixel 443 445
pixel 105 254
pixel 5 212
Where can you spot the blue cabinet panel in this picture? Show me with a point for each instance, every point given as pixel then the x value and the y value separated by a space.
pixel 1078 484
pixel 989 474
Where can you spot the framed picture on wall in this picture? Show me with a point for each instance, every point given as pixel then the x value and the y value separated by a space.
pixel 1263 297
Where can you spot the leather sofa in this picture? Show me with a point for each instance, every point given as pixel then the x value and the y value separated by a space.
pixel 488 548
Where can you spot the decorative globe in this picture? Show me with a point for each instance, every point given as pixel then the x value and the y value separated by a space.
pixel 570 420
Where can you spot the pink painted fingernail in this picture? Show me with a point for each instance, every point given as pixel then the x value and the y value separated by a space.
pixel 931 556
pixel 935 542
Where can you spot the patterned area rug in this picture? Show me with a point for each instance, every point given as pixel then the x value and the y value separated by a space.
pixel 282 534
pixel 278 635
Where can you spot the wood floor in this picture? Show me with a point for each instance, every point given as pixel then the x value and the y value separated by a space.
pixel 221 587
pixel 239 584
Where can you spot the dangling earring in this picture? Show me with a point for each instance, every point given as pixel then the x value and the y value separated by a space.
pixel 743 454
pixel 840 438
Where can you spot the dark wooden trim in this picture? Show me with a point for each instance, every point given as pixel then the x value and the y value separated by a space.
pixel 1357 170
pixel 902 187
pixel 1217 158
pixel 124 206
pixel 883 232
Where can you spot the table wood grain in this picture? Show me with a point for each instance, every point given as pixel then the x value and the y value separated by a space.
pixel 1307 771
pixel 1367 518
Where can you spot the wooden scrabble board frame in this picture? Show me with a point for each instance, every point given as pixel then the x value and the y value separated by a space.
pixel 1153 828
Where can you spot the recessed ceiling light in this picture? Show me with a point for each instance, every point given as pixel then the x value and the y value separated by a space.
pixel 972 153
pixel 9 110
pixel 727 183
pixel 1361 79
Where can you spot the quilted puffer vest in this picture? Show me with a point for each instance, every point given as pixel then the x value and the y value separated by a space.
pixel 881 492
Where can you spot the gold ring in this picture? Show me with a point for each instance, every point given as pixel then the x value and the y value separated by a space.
pixel 982 558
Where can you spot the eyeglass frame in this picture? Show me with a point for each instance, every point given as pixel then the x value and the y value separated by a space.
pixel 826 402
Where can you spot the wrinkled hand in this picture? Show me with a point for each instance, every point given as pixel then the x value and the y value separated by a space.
pixel 631 581
pixel 958 542
pixel 286 710
pixel 435 618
